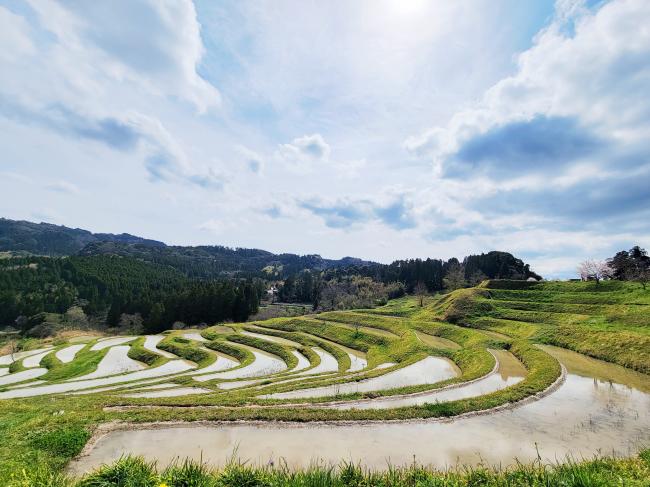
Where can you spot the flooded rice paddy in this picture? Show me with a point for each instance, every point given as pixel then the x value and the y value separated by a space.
pixel 264 364
pixel 169 368
pixel 426 371
pixel 510 371
pixel 328 363
pixel 67 354
pixel 435 341
pixel 606 411
pixel 116 361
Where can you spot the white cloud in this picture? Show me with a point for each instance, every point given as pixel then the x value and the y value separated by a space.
pixel 594 67
pixel 254 162
pixel 62 187
pixel 155 44
pixel 14 32
pixel 303 152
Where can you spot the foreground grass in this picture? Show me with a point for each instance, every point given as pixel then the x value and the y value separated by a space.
pixel 136 472
pixel 609 321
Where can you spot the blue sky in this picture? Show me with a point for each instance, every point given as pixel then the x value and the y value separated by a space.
pixel 381 129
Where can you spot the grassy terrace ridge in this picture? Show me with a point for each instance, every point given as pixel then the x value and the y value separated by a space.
pixel 44 432
pixel 609 321
pixel 602 471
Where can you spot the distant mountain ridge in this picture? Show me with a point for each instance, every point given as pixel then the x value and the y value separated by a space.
pixel 200 261
pixel 57 240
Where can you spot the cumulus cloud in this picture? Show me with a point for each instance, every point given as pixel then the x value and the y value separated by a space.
pixel 539 144
pixel 163 57
pixel 305 151
pixel 82 66
pixel 564 139
pixel 575 86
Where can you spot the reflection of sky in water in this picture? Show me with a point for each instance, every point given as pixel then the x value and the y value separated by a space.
pixel 583 417
pixel 426 371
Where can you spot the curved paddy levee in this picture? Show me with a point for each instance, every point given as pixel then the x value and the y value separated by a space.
pixel 15 357
pixel 586 415
pixel 151 343
pixel 171 392
pixel 67 354
pixel 303 362
pixel 509 371
pixel 358 360
pixel 366 329
pixel 273 339
pixel 328 363
pixel 34 360
pixel 197 337
pixel 436 341
pixel 426 371
pixel 21 376
pixel 116 361
pixel 103 343
pixel 220 364
pixel 167 369
pixel 263 364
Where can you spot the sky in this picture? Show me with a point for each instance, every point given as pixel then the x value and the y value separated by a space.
pixel 380 129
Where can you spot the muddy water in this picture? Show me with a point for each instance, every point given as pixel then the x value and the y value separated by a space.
pixel 358 359
pixel 9 359
pixel 103 343
pixel 510 371
pixel 303 362
pixel 438 342
pixel 34 360
pixel 427 371
pixel 67 354
pixel 116 361
pixel 328 363
pixel 587 415
pixel 167 369
pixel 264 364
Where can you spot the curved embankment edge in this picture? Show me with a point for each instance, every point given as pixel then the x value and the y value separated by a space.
pixel 105 428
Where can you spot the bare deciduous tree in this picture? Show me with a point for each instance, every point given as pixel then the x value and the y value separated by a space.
pixel 420 291
pixel 595 270
pixel 455 278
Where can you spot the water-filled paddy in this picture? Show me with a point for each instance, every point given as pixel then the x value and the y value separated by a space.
pixel 426 371
pixel 510 371
pixel 264 364
pixel 67 354
pixel 169 368
pixel 607 412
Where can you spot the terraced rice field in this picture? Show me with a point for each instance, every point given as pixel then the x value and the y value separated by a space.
pixel 485 374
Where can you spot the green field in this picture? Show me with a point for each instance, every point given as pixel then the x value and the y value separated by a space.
pixel 465 329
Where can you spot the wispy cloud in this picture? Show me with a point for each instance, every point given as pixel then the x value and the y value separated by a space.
pixel 62 187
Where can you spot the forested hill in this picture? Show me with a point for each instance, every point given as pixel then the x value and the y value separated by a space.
pixel 205 262
pixel 56 240
pixel 212 261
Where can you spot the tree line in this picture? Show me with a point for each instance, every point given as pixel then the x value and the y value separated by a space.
pixel 110 286
pixel 413 276
pixel 626 265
